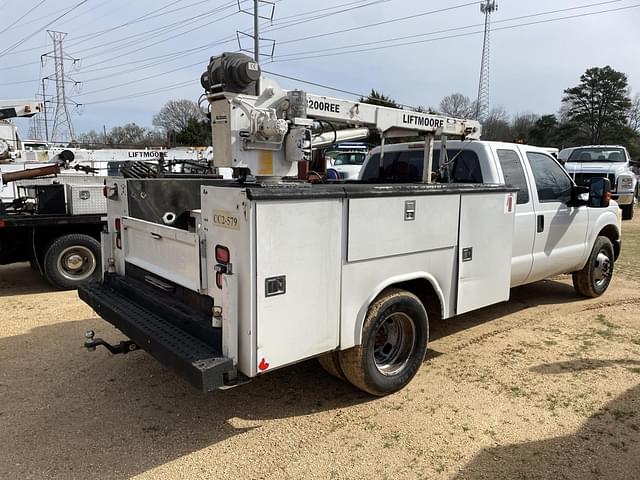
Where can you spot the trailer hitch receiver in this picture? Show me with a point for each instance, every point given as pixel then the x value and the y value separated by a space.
pixel 123 347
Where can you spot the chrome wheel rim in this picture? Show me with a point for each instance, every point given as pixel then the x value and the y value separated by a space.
pixel 394 341
pixel 602 269
pixel 76 263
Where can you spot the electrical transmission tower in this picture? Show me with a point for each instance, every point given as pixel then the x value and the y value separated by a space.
pixel 482 105
pixel 62 128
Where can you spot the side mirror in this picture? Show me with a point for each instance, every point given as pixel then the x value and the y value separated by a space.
pixel 599 192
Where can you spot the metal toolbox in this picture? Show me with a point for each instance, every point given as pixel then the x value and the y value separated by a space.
pixel 85 199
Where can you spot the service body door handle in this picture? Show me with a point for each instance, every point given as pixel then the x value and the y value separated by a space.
pixel 540 224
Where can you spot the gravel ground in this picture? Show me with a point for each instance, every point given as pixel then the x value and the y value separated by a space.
pixel 545 386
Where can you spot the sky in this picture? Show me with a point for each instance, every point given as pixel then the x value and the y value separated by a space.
pixel 133 56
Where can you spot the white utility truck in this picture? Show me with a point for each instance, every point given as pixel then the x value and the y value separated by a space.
pixel 227 280
pixel 610 161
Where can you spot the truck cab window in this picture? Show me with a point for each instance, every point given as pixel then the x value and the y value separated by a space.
pixel 514 173
pixel 407 166
pixel 372 169
pixel 552 182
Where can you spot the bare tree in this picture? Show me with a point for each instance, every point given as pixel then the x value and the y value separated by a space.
pixel 175 115
pixel 496 126
pixel 91 137
pixel 522 125
pixel 458 105
pixel 128 134
pixel 634 114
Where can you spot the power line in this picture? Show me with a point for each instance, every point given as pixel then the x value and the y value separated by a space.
pixel 24 15
pixel 408 17
pixel 306 55
pixel 142 94
pixel 159 41
pixel 146 16
pixel 20 42
pixel 233 37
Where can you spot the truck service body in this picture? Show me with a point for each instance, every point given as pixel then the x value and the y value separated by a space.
pixel 226 280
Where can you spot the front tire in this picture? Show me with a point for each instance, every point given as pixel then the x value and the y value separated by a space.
pixel 394 344
pixel 72 260
pixel 627 211
pixel 594 279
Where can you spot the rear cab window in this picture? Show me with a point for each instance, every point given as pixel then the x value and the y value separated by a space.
pixel 513 173
pixel 407 166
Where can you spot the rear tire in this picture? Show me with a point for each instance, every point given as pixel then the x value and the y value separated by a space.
pixel 330 362
pixel 627 211
pixel 594 279
pixel 72 260
pixel 394 344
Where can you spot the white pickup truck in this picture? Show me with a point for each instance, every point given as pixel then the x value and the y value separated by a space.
pixel 610 161
pixel 227 280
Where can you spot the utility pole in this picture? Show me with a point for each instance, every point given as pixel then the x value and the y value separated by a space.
pixel 256 31
pixel 482 104
pixel 255 36
pixel 62 127
pixel 44 107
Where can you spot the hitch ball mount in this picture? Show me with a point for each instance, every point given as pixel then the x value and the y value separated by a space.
pixel 123 347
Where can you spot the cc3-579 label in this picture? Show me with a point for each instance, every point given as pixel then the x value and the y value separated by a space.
pixel 225 219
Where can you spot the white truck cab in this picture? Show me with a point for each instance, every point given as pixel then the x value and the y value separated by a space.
pixel 610 161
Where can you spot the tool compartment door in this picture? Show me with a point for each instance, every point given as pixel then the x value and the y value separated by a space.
pixel 298 257
pixel 484 249
pixel 169 252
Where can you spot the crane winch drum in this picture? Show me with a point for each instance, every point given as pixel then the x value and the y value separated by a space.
pixel 231 72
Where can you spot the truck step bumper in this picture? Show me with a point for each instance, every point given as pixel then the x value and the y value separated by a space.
pixel 200 363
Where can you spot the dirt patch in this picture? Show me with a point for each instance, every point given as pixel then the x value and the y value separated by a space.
pixel 544 386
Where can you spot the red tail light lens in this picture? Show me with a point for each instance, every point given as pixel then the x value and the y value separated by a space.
pixel 219 280
pixel 118 224
pixel 222 254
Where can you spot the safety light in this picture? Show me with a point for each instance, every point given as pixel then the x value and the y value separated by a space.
pixel 222 254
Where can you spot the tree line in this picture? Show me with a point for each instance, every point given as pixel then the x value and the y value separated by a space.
pixel 598 110
pixel 178 123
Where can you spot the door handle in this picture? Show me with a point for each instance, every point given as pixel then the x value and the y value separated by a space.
pixel 540 223
pixel 156 236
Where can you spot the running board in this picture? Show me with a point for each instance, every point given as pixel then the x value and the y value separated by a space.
pixel 200 363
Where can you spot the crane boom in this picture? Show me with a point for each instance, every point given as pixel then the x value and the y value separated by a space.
pixel 266 130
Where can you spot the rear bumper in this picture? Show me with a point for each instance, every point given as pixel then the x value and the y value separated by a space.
pixel 200 362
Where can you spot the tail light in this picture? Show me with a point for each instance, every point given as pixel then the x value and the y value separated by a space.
pixel 222 254
pixel 223 260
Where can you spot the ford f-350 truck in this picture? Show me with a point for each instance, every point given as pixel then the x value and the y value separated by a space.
pixel 226 280
pixel 610 161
